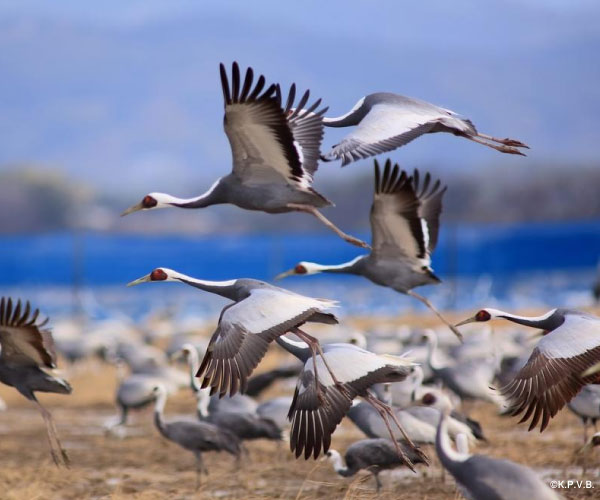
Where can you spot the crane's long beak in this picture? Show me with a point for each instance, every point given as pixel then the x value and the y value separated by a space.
pixel 285 274
pixel 466 321
pixel 133 208
pixel 143 279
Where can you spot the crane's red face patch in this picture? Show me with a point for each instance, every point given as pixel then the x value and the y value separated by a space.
pixel 300 269
pixel 483 316
pixel 158 275
pixel 428 399
pixel 149 202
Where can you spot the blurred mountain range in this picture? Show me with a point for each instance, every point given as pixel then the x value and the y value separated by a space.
pixel 125 98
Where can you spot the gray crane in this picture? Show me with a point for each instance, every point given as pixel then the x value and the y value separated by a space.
pixel 555 371
pixel 315 413
pixel 275 151
pixel 26 350
pixel 245 425
pixel 196 437
pixel 484 478
pixel 260 313
pixel 387 121
pixel 374 455
pixel 405 221
pixel 586 405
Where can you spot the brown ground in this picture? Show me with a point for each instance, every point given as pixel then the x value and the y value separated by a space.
pixel 149 467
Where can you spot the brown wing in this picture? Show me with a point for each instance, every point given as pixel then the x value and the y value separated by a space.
pixel 314 419
pixel 544 385
pixel 23 339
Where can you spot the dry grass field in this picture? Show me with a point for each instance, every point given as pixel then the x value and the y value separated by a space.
pixel 145 466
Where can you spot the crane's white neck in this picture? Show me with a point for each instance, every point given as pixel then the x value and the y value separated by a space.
pixel 387 394
pixel 432 343
pixel 210 197
pixel 193 365
pixel 447 454
pixel 462 444
pixel 161 401
pixel 346 267
pixel 223 288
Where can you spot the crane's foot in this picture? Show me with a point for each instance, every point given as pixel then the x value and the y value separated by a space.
pixel 513 142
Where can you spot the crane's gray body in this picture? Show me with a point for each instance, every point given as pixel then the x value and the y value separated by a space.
pixel 376 455
pixel 395 273
pixel 485 478
pixel 30 379
pixel 272 198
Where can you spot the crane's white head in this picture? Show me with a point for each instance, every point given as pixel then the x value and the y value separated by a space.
pixel 302 268
pixel 442 404
pixel 159 274
pixel 481 316
pixel 151 201
pixel 333 456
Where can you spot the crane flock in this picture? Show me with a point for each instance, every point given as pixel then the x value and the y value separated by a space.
pixel 276 148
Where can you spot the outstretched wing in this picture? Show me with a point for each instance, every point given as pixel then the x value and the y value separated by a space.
pixel 245 331
pixel 23 339
pixel 430 200
pixel 269 144
pixel 553 374
pixel 395 222
pixel 390 121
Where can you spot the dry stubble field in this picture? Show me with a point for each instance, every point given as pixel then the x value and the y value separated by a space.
pixel 146 466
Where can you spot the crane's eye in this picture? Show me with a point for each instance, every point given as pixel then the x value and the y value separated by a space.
pixel 483 316
pixel 149 202
pixel 300 269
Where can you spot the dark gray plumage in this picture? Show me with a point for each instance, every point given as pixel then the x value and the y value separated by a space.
pixel 196 437
pixel 275 149
pixel 405 221
pixel 26 349
pixel 373 455
pixel 485 478
pixel 387 121
pixel 260 313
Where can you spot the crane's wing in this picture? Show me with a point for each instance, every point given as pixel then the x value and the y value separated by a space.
pixel 270 144
pixel 553 374
pixel 395 222
pixel 23 339
pixel 393 122
pixel 314 419
pixel 245 330
pixel 430 209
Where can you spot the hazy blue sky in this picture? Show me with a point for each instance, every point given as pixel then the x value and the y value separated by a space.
pixel 126 95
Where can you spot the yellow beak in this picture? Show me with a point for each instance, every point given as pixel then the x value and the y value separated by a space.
pixel 133 208
pixel 143 279
pixel 466 321
pixel 285 274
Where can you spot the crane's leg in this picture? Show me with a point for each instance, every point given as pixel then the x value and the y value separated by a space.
pixel 59 457
pixel 503 149
pixel 314 344
pixel 370 399
pixel 377 481
pixel 585 426
pixel 436 312
pixel 313 211
pixel 310 341
pixel 506 141
pixel 198 468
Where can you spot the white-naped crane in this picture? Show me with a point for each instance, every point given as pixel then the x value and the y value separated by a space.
pixel 386 121
pixel 246 425
pixel 320 402
pixel 275 149
pixel 373 455
pixel 480 477
pixel 259 314
pixel 405 221
pixel 26 351
pixel 470 379
pixel 196 437
pixel 555 371
pixel 586 405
